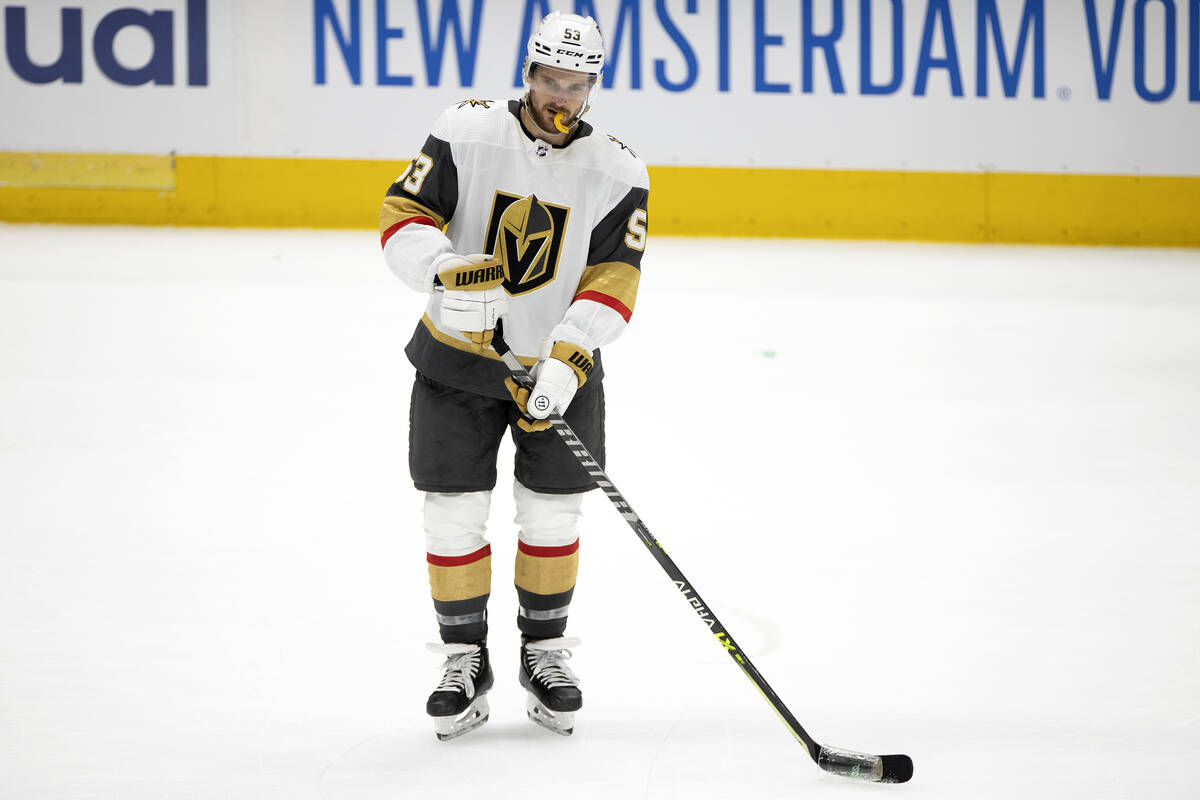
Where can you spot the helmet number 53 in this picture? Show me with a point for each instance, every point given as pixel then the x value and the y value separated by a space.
pixel 570 34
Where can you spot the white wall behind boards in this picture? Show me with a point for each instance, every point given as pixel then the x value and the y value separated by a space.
pixel 1074 86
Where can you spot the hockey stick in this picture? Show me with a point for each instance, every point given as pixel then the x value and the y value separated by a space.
pixel 880 769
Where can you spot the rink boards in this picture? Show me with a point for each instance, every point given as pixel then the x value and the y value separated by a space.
pixel 961 120
pixel 345 193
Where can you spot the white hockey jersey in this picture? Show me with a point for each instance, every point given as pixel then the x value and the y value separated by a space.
pixel 569 221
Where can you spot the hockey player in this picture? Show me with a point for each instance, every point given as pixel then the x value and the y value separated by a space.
pixel 520 211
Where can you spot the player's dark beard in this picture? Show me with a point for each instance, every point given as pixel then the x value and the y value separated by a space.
pixel 546 117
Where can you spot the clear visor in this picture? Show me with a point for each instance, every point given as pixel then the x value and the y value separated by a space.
pixel 561 83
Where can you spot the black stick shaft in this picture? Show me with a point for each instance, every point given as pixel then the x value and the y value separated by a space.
pixel 522 376
pixel 890 769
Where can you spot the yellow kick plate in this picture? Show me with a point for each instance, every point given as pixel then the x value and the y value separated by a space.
pixel 87 171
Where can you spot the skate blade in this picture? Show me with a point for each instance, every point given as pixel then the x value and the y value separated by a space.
pixel 448 728
pixel 560 722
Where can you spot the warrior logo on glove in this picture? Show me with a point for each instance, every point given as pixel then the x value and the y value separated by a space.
pixel 487 274
pixel 526 234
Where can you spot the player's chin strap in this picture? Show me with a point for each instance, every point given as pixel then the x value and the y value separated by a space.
pixel 863 766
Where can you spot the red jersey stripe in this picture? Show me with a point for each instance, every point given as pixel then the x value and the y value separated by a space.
pixel 547 552
pixel 603 299
pixel 383 240
pixel 458 561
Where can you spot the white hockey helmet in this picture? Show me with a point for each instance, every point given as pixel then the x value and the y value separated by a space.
pixel 567 41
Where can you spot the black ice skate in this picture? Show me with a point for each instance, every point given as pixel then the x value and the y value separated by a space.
pixel 554 694
pixel 459 704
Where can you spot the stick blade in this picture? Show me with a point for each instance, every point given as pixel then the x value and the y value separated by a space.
pixel 864 766
pixel 897 769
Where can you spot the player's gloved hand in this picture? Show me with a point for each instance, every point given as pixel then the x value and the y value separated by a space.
pixel 520 396
pixel 474 296
pixel 563 369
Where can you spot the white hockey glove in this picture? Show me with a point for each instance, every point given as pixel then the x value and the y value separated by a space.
pixel 474 296
pixel 564 368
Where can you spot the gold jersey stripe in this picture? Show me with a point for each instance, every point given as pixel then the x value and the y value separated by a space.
pixel 553 575
pixel 616 279
pixel 462 582
pixel 398 209
pixel 466 346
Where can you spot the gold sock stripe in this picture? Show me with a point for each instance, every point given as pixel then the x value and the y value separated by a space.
pixel 461 582
pixel 546 574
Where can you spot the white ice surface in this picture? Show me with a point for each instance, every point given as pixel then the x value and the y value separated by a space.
pixel 946 498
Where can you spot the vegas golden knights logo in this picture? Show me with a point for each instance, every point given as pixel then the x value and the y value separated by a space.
pixel 527 235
